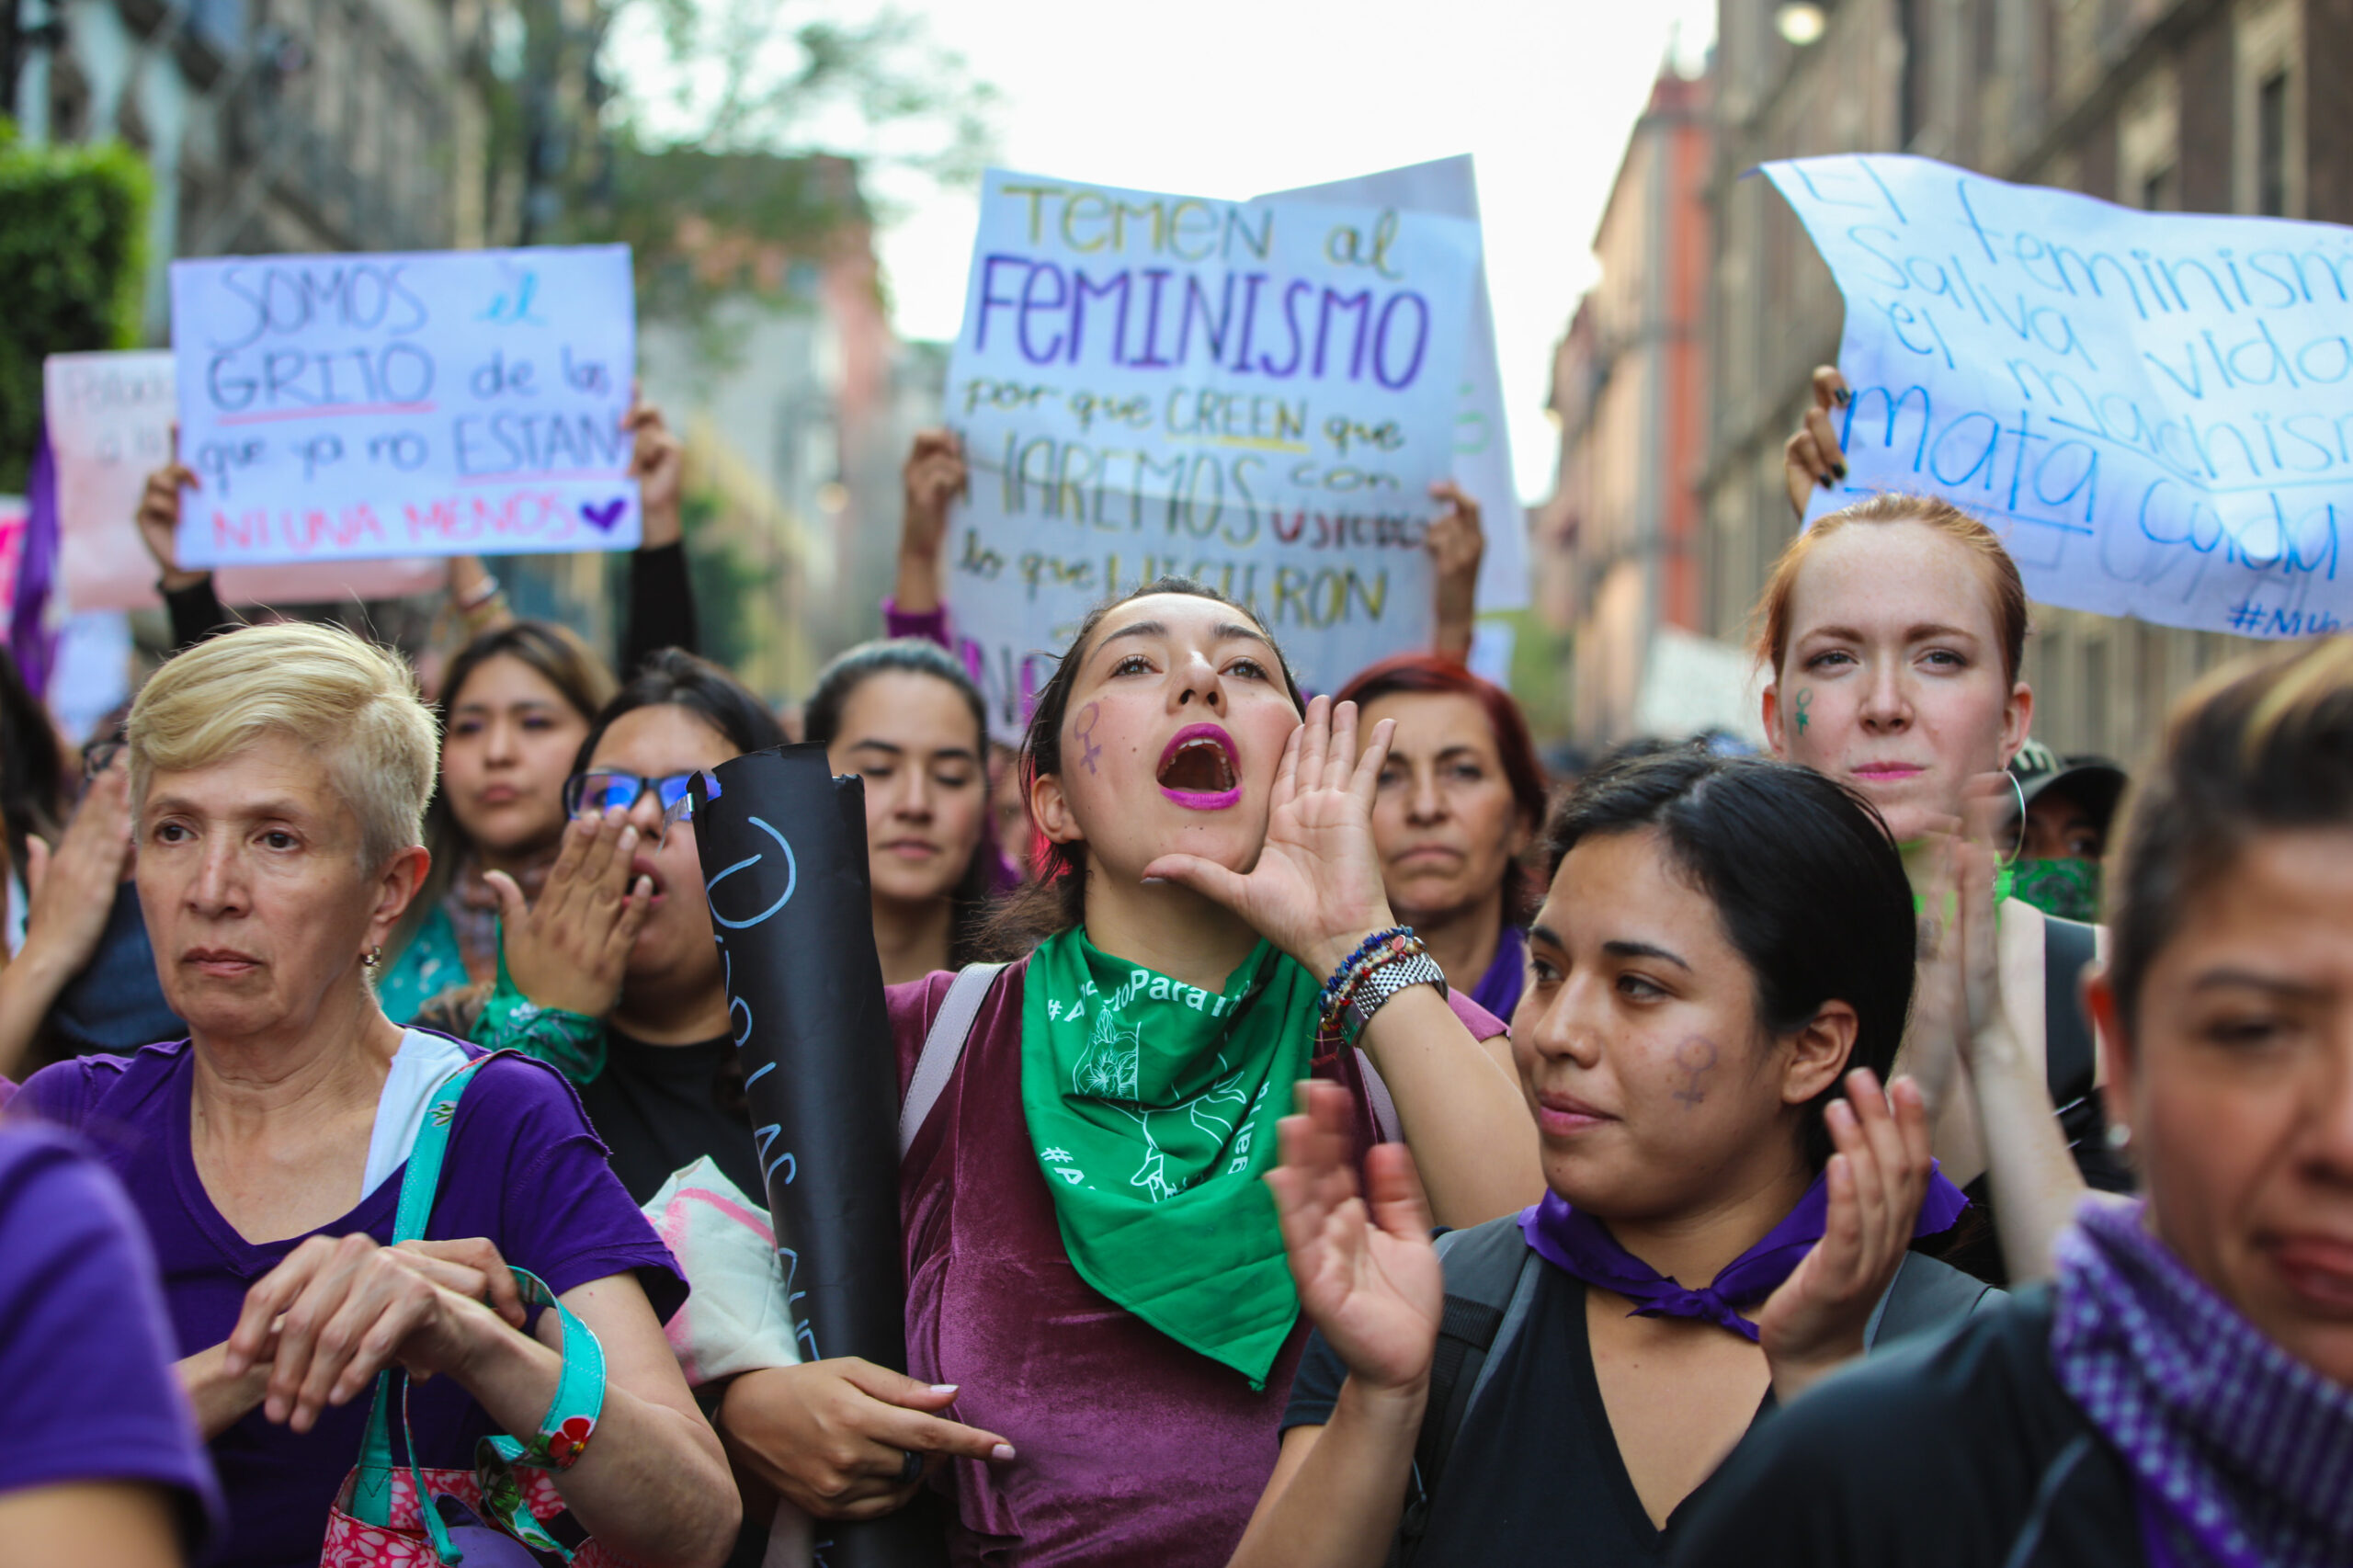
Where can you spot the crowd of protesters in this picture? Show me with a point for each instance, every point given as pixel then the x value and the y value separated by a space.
pixel 1719 1157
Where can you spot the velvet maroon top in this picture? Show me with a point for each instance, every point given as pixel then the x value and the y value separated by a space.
pixel 1133 1448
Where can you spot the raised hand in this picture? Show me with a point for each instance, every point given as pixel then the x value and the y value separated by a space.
pixel 658 461
pixel 934 476
pixel 1455 542
pixel 1316 890
pixel 1876 1180
pixel 1367 1272
pixel 571 948
pixel 159 518
pixel 1812 457
pixel 70 888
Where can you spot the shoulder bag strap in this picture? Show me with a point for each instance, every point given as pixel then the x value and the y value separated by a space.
pixel 944 1047
pixel 371 1490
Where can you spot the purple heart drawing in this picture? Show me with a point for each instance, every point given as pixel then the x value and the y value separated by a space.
pixel 604 516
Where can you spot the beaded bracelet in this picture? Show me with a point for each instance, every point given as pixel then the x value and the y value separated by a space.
pixel 1347 1001
pixel 1342 975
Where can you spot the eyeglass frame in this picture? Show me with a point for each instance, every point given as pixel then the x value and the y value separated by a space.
pixel 680 810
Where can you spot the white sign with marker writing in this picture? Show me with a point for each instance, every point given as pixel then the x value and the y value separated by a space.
pixel 448 402
pixel 2155 410
pixel 1255 395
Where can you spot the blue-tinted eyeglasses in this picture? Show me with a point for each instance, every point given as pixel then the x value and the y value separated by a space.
pixel 594 794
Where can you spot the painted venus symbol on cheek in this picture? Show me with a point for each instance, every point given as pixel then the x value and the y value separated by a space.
pixel 1088 717
pixel 1697 1057
pixel 1805 700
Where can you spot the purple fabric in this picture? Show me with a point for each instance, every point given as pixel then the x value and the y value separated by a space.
pixel 1583 1246
pixel 523 1169
pixel 86 1388
pixel 29 638
pixel 929 625
pixel 1498 990
pixel 1132 1448
pixel 2244 1454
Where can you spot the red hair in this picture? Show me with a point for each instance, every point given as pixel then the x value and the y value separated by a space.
pixel 1427 673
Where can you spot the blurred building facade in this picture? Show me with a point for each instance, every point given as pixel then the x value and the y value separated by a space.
pixel 2209 105
pixel 1615 548
pixel 273 125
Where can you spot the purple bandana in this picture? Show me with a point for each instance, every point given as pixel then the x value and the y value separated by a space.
pixel 2244 1454
pixel 1583 1246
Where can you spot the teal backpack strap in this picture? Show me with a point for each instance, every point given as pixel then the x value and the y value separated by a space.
pixel 372 1491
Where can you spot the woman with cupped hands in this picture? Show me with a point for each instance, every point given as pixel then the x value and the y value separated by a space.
pixel 1100 1325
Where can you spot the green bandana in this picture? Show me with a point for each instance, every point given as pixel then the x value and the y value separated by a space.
pixel 2068 889
pixel 1152 1106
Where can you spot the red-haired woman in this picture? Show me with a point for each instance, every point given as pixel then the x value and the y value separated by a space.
pixel 1461 797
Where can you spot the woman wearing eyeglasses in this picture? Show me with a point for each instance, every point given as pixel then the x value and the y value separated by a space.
pixel 610 971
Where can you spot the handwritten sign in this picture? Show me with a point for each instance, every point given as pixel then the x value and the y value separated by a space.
pixel 2155 410
pixel 348 407
pixel 109 423
pixel 1449 186
pixel 1258 394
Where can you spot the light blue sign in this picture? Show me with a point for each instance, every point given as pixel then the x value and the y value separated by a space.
pixel 2155 410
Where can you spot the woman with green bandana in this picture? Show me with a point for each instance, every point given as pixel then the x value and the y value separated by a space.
pixel 1892 632
pixel 1101 1324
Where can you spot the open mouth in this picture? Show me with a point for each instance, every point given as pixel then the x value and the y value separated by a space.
pixel 1197 770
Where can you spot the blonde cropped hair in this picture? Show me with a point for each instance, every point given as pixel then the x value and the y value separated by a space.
pixel 350 703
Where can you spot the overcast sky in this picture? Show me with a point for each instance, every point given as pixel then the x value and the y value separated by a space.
pixel 1234 97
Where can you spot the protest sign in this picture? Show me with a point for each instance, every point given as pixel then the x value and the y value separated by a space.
pixel 2152 409
pixel 353 406
pixel 1258 394
pixel 1482 434
pixel 13 520
pixel 110 424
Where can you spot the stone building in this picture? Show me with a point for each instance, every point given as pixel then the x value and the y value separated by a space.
pixel 1614 550
pixel 2177 104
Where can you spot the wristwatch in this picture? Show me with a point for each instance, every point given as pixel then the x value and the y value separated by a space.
pixel 1377 988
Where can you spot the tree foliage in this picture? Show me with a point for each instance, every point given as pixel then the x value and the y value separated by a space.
pixel 72 258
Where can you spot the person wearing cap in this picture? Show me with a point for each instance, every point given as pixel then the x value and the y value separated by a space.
pixel 2067 804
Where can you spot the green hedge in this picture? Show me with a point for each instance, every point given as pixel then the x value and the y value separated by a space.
pixel 73 260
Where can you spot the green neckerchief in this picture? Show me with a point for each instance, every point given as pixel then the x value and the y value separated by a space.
pixel 1152 1108
pixel 2068 889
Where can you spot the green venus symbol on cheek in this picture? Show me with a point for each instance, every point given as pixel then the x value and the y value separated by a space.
pixel 1805 700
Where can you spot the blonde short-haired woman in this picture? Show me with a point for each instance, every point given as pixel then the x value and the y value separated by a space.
pixel 279 774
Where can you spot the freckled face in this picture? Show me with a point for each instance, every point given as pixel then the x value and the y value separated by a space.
pixel 1654 1089
pixel 2238 1087
pixel 1892 680
pixel 1178 718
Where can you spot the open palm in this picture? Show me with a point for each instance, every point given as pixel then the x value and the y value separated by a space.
pixel 1366 1273
pixel 1315 891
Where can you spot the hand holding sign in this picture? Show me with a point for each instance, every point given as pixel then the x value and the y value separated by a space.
pixel 658 461
pixel 159 518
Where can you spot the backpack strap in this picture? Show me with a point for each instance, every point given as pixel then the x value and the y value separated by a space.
pixel 2070 1060
pixel 944 1047
pixel 1925 1294
pixel 1490 1283
pixel 1377 1095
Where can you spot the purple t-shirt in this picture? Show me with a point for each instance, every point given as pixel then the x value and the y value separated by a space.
pixel 86 1388
pixel 523 1170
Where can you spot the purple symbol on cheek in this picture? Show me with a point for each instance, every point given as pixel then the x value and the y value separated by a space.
pixel 603 518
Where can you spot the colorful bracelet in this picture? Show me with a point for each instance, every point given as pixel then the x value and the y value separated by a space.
pixel 1383 964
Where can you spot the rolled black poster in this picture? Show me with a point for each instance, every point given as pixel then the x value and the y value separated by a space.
pixel 783 847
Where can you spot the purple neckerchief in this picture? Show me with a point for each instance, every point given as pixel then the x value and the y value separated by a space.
pixel 2241 1454
pixel 1498 990
pixel 1583 1246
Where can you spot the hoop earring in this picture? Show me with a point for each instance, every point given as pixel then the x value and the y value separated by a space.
pixel 2018 847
